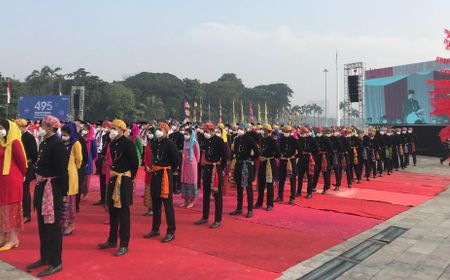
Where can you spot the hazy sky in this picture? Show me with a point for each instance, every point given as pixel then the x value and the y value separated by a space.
pixel 263 42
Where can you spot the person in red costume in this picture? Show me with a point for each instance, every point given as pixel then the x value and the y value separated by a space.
pixel 13 166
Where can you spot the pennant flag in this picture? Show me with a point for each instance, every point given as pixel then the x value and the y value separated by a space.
pixel 251 119
pixel 195 111
pixel 60 89
pixel 234 114
pixel 209 110
pixel 220 111
pixel 266 119
pixel 8 92
pixel 242 113
pixel 201 111
pixel 259 113
pixel 187 110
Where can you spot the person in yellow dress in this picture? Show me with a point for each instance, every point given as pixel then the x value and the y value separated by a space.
pixel 69 136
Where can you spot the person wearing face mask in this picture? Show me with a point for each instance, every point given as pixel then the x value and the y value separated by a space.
pixel 267 170
pixel 336 159
pixel 201 142
pixel 288 169
pixel 388 140
pixel 30 146
pixel 87 132
pixel 244 153
pixel 119 197
pixel 213 163
pixel 306 163
pixel 178 138
pixel 323 158
pixel 82 131
pixel 355 155
pixel 99 132
pixel 104 170
pixel 52 184
pixel 148 155
pixel 134 136
pixel 164 160
pixel 404 146
pixel 189 164
pixel 412 145
pixel 381 153
pixel 70 138
pixel 345 156
pixel 13 166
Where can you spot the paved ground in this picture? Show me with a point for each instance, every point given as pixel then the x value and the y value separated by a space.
pixel 423 252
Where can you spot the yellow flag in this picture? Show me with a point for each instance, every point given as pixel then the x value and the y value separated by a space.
pixel 259 113
pixel 242 113
pixel 266 119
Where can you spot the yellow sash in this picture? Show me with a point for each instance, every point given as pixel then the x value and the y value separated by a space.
pixel 116 191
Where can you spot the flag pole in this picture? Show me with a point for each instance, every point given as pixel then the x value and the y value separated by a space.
pixel 338 113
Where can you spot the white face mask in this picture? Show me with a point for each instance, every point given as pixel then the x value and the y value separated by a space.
pixel 286 134
pixel 319 134
pixel 159 134
pixel 382 132
pixel 218 134
pixel 404 132
pixel 150 136
pixel 240 132
pixel 389 134
pixel 65 138
pixel 42 132
pixel 207 135
pixel 182 132
pixel 398 132
pixel 187 137
pixel 409 131
pixel 113 134
pixel 337 134
pixel 2 133
pixel 303 135
pixel 84 132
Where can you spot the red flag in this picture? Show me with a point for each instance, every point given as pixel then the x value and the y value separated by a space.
pixel 251 119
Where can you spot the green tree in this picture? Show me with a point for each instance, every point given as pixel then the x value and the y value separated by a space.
pixel 119 101
pixel 152 108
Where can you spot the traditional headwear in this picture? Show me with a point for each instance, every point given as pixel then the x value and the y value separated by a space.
pixel 276 126
pixel 383 129
pixel 350 130
pixel 327 130
pixel 120 124
pixel 13 134
pixel 164 126
pixel 106 124
pixel 404 128
pixel 51 121
pixel 344 132
pixel 21 122
pixel 74 136
pixel 267 127
pixel 287 128
pixel 192 142
pixel 304 129
pixel 220 125
pixel 244 125
pixel 135 132
pixel 208 126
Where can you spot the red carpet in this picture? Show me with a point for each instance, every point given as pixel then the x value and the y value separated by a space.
pixel 257 248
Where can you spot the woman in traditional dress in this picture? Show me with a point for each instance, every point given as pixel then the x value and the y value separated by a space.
pixel 13 166
pixel 70 137
pixel 88 133
pixel 189 168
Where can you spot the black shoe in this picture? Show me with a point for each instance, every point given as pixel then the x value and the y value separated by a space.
pixel 107 245
pixel 98 203
pixel 50 270
pixel 442 161
pixel 298 194
pixel 121 251
pixel 279 199
pixel 169 237
pixel 359 181
pixel 35 265
pixel 380 175
pixel 201 221
pixel 215 225
pixel 336 188
pixel 374 177
pixel 291 201
pixel 314 189
pixel 309 196
pixel 350 186
pixel 236 212
pixel 269 208
pixel 26 220
pixel 151 234
pixel 367 179
pixel 249 214
pixel 257 206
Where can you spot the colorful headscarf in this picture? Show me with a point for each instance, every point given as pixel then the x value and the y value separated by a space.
pixel 74 136
pixel 13 133
pixel 134 132
pixel 191 145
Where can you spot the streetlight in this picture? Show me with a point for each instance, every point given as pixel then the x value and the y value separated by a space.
pixel 326 98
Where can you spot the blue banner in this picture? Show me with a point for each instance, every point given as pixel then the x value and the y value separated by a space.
pixel 36 107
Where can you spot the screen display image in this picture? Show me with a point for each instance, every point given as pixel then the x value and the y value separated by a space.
pixel 36 107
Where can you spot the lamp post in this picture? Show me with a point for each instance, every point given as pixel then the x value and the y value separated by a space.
pixel 326 98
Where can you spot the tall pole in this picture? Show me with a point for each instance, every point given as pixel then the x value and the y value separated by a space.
pixel 326 98
pixel 338 113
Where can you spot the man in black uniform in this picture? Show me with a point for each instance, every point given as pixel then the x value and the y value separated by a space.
pixel 120 190
pixel 388 140
pixel 336 159
pixel 177 137
pixel 381 152
pixel 323 159
pixel 52 184
pixel 213 164
pixel 164 160
pixel 106 126
pixel 372 149
pixel 397 151
pixel 413 143
pixel 306 164
pixel 267 169
pixel 356 159
pixel 30 146
pixel 345 156
pixel 404 144
pixel 288 166
pixel 245 151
